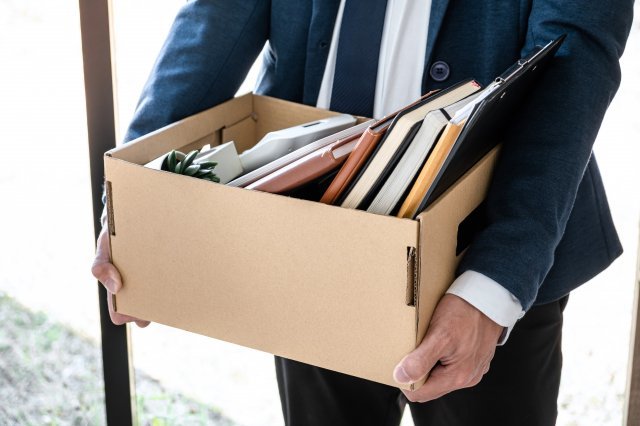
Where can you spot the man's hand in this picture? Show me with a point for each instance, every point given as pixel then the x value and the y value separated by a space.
pixel 455 352
pixel 109 276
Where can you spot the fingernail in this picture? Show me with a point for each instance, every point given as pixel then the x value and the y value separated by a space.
pixel 112 285
pixel 400 375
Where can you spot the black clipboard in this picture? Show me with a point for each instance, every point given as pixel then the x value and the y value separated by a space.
pixel 478 134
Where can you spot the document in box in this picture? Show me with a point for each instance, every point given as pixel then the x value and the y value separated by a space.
pixel 306 169
pixel 289 158
pixel 282 142
pixel 228 165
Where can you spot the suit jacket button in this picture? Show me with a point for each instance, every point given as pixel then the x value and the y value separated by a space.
pixel 439 71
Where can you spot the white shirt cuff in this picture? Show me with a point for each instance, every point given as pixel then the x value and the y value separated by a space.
pixel 490 298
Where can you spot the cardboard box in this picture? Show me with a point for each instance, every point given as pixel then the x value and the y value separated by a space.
pixel 342 289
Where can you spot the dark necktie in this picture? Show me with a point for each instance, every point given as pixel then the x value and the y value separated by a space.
pixel 354 81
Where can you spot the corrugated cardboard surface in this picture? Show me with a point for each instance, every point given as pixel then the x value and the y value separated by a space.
pixel 315 283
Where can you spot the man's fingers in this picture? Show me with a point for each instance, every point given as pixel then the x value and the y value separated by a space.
pixel 108 275
pixel 102 246
pixel 102 267
pixel 116 318
pixel 413 368
pixel 462 339
pixel 441 381
pixel 119 319
pixel 419 363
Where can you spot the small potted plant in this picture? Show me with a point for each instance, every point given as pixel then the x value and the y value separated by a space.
pixel 186 164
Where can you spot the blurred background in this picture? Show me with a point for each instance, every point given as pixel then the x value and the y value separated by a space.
pixel 50 362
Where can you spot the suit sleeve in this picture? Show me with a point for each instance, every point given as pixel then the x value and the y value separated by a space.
pixel 549 144
pixel 208 53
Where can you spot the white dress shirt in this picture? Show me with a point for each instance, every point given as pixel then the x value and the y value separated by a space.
pixel 399 83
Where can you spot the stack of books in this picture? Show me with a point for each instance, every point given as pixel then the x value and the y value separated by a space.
pixel 394 166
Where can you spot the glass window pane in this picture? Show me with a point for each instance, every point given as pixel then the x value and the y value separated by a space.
pixel 50 359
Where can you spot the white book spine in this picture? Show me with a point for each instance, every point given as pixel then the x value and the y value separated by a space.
pixel 410 164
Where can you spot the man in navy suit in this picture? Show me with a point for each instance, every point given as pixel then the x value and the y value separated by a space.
pixel 549 229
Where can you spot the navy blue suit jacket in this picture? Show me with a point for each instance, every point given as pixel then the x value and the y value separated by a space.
pixel 550 227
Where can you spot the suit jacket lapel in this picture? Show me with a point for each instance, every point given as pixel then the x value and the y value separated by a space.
pixel 323 18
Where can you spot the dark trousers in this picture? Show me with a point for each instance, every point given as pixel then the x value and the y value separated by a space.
pixel 521 387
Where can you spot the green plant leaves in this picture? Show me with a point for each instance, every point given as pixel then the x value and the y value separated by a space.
pixel 186 164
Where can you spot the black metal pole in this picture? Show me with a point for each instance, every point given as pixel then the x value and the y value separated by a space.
pixel 98 79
